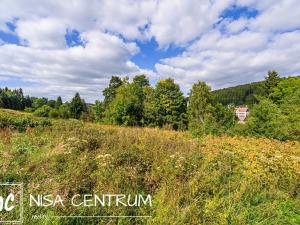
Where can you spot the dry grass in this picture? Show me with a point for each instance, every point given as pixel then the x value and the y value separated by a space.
pixel 212 180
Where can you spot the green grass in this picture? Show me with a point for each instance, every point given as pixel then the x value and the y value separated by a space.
pixel 212 180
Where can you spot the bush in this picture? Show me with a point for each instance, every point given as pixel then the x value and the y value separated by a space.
pixel 88 116
pixel 43 111
pixel 54 113
pixel 266 119
pixel 29 109
pixel 64 111
pixel 21 122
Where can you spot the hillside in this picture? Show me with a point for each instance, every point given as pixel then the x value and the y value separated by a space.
pixel 239 95
pixel 212 180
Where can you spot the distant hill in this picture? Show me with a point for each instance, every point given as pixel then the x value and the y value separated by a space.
pixel 239 95
pixel 242 94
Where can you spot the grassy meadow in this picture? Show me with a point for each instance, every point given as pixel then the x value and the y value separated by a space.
pixel 210 180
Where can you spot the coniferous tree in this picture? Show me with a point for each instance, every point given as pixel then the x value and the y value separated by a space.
pixel 77 106
pixel 13 99
pixel 272 80
pixel 58 102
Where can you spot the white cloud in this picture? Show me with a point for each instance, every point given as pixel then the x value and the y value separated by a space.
pixel 281 16
pixel 46 33
pixel 237 25
pixel 127 17
pixel 179 22
pixel 221 51
pixel 57 69
pixel 79 68
pixel 237 59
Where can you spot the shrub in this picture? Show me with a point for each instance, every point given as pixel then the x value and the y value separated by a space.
pixel 266 119
pixel 64 111
pixel 54 113
pixel 42 111
pixel 29 109
pixel 21 122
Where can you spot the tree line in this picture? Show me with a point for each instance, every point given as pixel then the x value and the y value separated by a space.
pixel 241 94
pixel 14 99
pixel 274 112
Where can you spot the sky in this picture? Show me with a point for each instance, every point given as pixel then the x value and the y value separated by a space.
pixel 53 47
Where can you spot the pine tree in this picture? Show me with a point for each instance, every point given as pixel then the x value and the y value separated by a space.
pixel 58 102
pixel 272 81
pixel 76 106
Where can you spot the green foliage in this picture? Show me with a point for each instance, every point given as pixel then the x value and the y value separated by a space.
pixel 88 115
pixel 77 106
pixel 285 88
pixel 208 112
pixel 39 102
pixel 29 109
pixel 54 113
pixel 199 102
pixel 98 108
pixel 169 104
pixel 141 80
pixel 239 95
pixel 14 99
pixel 290 107
pixel 281 120
pixel 266 119
pixel 214 180
pixel 64 111
pixel 150 109
pixel 20 122
pixel 127 106
pixel 271 81
pixel 51 103
pixel 206 117
pixel 43 111
pixel 224 119
pixel 109 93
pixel 137 104
pixel 58 102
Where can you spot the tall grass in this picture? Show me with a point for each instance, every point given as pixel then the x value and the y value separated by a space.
pixel 212 180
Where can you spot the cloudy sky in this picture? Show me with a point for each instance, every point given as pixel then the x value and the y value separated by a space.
pixel 55 47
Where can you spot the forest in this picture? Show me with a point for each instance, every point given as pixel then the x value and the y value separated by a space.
pixel 241 94
pixel 274 106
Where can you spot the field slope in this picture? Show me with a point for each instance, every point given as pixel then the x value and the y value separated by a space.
pixel 212 180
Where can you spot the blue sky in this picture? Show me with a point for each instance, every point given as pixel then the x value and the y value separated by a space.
pixel 150 53
pixel 55 48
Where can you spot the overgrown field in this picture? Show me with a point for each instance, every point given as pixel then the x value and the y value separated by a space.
pixel 213 180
